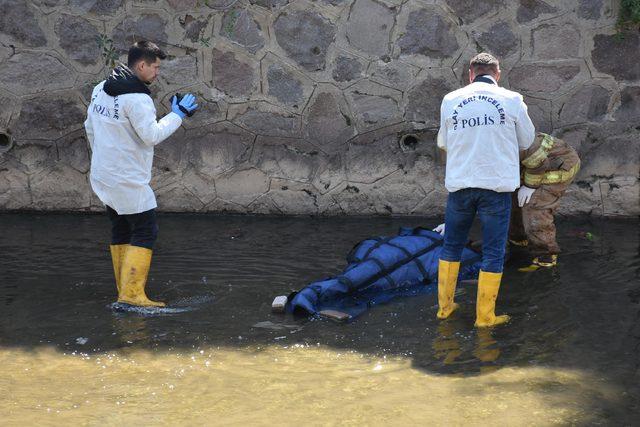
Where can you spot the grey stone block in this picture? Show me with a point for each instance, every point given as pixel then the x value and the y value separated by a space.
pixel 428 34
pixel 305 36
pixel 239 26
pixel 97 7
pixel 193 27
pixel 284 86
pixel 150 27
pixel 267 120
pixel 78 39
pixel 369 27
pixel 528 10
pixel 589 104
pixel 468 11
pixel 14 75
pixel 499 40
pixel 49 117
pixel 424 99
pixel 556 41
pixel 18 20
pixel 216 149
pixel 346 69
pixel 629 109
pixel 285 158
pixel 180 71
pixel 590 9
pixel 374 105
pixel 541 77
pixel 617 56
pixel 328 120
pixel 233 76
pixel 243 186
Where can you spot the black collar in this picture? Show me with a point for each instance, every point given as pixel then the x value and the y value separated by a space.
pixel 484 79
pixel 122 81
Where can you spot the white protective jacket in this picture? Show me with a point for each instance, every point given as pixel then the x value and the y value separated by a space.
pixel 122 131
pixel 482 129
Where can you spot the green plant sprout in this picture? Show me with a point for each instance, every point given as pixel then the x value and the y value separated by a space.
pixel 107 51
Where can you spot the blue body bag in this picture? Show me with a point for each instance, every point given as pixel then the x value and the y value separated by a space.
pixel 380 269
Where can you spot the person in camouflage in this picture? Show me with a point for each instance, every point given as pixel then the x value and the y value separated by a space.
pixel 548 167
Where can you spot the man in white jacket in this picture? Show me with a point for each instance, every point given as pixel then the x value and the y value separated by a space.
pixel 122 130
pixel 482 128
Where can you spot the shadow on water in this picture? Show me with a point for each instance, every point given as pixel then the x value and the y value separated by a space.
pixel 221 272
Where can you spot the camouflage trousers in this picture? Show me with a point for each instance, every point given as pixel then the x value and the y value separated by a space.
pixel 534 221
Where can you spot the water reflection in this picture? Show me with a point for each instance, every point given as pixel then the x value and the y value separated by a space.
pixel 131 329
pixel 446 345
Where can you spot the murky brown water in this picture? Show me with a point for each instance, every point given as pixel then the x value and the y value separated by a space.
pixel 570 355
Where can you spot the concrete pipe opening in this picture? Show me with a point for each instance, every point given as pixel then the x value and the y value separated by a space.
pixel 409 142
pixel 5 142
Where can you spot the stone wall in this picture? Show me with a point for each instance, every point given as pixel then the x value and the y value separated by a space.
pixel 313 107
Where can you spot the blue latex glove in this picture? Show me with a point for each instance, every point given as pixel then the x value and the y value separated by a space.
pixel 188 104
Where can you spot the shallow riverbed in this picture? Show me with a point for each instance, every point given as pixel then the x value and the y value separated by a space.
pixel 569 356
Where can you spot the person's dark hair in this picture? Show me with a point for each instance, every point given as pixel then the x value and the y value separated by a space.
pixel 144 51
pixel 484 63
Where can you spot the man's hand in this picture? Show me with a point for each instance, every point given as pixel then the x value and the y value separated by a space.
pixel 439 229
pixel 524 195
pixel 186 107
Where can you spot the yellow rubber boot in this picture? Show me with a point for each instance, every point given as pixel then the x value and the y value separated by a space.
pixel 540 262
pixel 117 255
pixel 447 280
pixel 133 277
pixel 488 287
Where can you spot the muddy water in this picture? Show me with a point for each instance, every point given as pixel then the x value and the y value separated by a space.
pixel 570 355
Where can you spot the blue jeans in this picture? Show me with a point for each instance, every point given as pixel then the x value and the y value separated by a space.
pixel 137 229
pixel 493 209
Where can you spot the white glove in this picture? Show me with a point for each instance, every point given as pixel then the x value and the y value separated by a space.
pixel 524 195
pixel 439 229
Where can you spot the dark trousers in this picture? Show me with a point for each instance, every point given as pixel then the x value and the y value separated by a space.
pixel 493 210
pixel 137 229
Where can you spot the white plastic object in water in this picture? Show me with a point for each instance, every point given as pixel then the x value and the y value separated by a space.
pixel 279 303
